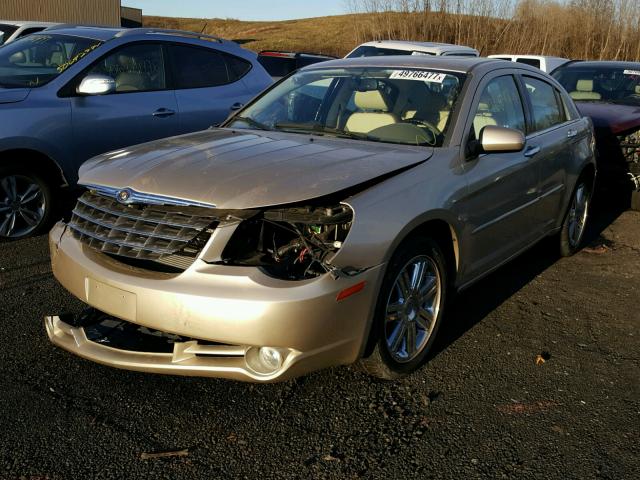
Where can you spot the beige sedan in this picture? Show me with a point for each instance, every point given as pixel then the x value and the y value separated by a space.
pixel 324 224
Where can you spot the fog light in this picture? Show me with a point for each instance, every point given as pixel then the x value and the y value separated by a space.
pixel 270 358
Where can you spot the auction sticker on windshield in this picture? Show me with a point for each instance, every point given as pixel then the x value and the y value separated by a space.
pixel 419 75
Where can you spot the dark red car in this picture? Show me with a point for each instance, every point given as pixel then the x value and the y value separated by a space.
pixel 609 93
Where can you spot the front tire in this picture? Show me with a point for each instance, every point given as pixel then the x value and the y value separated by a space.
pixel 25 203
pixel 409 310
pixel 575 220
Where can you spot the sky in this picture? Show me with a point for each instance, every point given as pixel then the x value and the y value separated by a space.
pixel 240 9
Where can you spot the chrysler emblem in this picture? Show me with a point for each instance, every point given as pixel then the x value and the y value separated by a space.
pixel 124 196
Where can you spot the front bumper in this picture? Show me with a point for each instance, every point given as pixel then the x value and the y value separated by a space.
pixel 235 306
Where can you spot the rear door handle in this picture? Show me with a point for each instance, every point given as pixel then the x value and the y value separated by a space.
pixel 572 133
pixel 163 112
pixel 236 106
pixel 531 151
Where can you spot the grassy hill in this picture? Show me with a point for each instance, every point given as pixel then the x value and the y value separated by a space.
pixel 328 35
pixel 576 30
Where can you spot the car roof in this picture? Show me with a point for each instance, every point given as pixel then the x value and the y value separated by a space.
pixel 602 63
pixel 456 64
pixel 27 23
pixel 418 46
pixel 108 33
pixel 533 57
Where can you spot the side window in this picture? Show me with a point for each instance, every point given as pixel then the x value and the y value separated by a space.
pixel 197 67
pixel 135 68
pixel 29 31
pixel 544 102
pixel 529 61
pixel 568 112
pixel 237 67
pixel 500 105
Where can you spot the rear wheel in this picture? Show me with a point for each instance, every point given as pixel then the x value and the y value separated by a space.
pixel 575 220
pixel 409 310
pixel 25 203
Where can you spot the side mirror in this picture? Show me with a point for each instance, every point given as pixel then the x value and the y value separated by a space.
pixel 494 139
pixel 96 85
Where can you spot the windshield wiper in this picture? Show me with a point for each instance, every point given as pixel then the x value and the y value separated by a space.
pixel 320 129
pixel 250 121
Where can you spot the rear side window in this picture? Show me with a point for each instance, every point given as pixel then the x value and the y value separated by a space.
pixel 195 67
pixel 529 61
pixel 29 31
pixel 238 67
pixel 546 109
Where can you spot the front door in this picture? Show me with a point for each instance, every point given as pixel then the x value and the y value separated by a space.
pixel 140 110
pixel 499 208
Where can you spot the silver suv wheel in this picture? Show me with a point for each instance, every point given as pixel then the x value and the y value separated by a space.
pixel 22 206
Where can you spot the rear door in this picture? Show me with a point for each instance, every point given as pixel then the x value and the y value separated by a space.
pixel 550 139
pixel 140 110
pixel 208 85
pixel 499 209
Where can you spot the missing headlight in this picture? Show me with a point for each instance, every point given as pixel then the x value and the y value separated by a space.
pixel 290 243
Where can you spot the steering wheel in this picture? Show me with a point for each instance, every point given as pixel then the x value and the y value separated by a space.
pixel 429 126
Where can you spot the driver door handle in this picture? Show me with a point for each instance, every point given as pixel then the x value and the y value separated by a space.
pixel 531 151
pixel 163 112
pixel 572 133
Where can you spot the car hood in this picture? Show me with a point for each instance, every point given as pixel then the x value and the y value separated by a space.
pixel 13 95
pixel 237 169
pixel 616 118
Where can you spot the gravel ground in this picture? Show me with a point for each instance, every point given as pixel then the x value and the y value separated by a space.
pixel 481 408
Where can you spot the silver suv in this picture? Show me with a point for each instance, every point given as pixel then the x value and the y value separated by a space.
pixel 69 94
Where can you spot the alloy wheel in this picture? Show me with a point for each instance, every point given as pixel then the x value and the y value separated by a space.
pixel 22 206
pixel 412 308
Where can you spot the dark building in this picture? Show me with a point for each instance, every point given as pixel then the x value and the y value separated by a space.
pixel 91 12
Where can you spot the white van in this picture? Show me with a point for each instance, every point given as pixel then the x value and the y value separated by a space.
pixel 544 63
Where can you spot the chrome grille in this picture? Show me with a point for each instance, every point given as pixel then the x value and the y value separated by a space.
pixel 170 235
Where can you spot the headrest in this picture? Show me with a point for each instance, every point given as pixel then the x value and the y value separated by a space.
pixel 584 85
pixel 371 100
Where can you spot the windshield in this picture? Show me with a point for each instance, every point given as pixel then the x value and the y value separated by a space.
pixel 403 106
pixel 617 84
pixel 35 60
pixel 6 31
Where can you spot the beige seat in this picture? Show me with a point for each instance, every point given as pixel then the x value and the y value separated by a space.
pixel 584 91
pixel 130 82
pixel 375 113
pixel 56 59
pixel 483 117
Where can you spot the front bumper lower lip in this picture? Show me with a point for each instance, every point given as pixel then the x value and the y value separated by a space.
pixel 188 358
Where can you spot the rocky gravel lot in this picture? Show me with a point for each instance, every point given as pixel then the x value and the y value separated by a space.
pixel 536 376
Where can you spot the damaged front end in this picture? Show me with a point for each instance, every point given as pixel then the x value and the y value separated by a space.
pixel 290 243
pixel 293 243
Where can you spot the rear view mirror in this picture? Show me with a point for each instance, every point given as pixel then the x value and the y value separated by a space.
pixel 494 139
pixel 96 85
